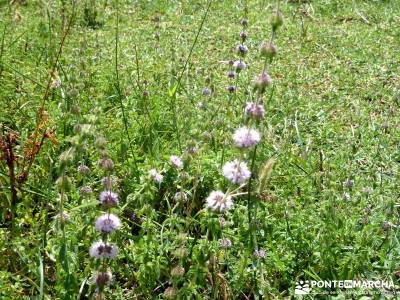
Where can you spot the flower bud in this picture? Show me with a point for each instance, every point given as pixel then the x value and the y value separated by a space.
pixel 261 82
pixel 268 50
pixel 276 20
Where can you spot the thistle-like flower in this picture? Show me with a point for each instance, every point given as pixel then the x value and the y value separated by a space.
pixel 206 91
pixel 102 250
pixel 107 223
pixel 225 243
pixel 102 278
pixel 246 137
pixel 261 82
pixel 242 49
pixel 218 201
pixel 180 196
pixel 239 65
pixel 156 176
pixel 108 198
pixel 231 88
pixel 176 162
pixel 106 164
pixel 254 110
pixel 83 169
pixel 236 171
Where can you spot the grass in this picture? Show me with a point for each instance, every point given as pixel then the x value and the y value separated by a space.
pixel 134 72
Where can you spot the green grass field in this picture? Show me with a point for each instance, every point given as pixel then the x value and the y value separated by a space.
pixel 94 95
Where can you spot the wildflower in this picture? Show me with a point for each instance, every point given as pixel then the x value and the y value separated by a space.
pixel 107 223
pixel 346 196
pixel 244 22
pixel 176 162
pixel 63 217
pixel 157 177
pixel 106 164
pixel 254 110
pixel 83 169
pixel 242 49
pixel 268 50
pixel 231 88
pixel 206 91
pixel 218 201
pixel 170 293
pixel 225 243
pixel 102 250
pixel 85 190
pixel 246 137
pixel 276 20
pixel 178 272
pixel 367 190
pixel 386 225
pixel 239 65
pixel 180 196
pixel 236 171
pixel 261 82
pixel 102 278
pixel 231 74
pixel 259 253
pixel 243 35
pixel 109 181
pixel 109 198
pixel 222 222
pixel 348 183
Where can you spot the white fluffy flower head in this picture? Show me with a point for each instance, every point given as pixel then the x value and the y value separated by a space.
pixel 246 137
pixel 176 162
pixel 107 223
pixel 218 201
pixel 156 176
pixel 236 171
pixel 102 250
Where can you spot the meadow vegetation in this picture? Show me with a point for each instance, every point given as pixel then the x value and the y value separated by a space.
pixel 198 149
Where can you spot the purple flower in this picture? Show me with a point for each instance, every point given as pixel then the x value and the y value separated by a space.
pixel 176 162
pixel 102 250
pixel 218 201
pixel 254 110
pixel 109 198
pixel 246 137
pixel 107 223
pixel 236 171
